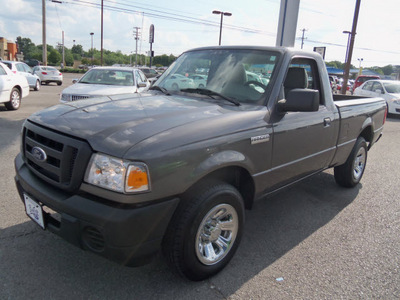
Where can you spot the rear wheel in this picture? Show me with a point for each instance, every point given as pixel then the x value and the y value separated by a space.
pixel 350 173
pixel 15 100
pixel 205 231
pixel 59 83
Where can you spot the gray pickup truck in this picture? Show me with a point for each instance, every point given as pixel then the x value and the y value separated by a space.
pixel 175 168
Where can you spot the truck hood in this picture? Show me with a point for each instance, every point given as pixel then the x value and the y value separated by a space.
pixel 115 124
pixel 98 89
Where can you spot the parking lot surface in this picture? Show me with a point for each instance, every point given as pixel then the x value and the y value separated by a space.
pixel 314 240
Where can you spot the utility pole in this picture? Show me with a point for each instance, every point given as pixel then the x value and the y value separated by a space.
pixel 302 37
pixel 44 43
pixel 137 34
pixel 350 52
pixel 63 50
pixel 101 57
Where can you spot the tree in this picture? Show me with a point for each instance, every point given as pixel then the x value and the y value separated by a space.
pixel 388 70
pixel 54 57
pixel 77 49
pixel 26 46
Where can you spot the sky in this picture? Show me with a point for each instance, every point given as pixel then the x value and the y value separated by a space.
pixel 185 24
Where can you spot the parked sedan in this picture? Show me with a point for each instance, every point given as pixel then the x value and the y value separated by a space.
pixel 200 81
pixel 177 82
pixel 13 87
pixel 48 74
pixel 106 81
pixel 25 70
pixel 387 89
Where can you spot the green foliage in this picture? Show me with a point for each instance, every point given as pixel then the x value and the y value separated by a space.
pixel 54 55
pixel 54 58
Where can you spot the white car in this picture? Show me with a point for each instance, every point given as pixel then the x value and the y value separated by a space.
pixel 200 81
pixel 48 74
pixel 25 70
pixel 177 82
pixel 13 87
pixel 106 81
pixel 387 89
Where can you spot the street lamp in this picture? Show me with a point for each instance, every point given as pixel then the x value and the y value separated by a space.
pixel 92 33
pixel 359 68
pixel 222 13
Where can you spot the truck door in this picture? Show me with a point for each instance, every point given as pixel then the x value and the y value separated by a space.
pixel 303 142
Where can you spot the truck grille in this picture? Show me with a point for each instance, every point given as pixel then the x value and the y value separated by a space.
pixel 54 157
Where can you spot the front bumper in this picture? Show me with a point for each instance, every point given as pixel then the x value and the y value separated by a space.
pixel 129 235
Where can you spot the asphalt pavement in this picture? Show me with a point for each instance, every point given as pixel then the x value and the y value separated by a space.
pixel 314 240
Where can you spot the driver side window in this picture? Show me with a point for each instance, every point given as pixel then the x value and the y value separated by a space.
pixel 303 74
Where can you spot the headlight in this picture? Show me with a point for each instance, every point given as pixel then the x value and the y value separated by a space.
pixel 397 101
pixel 117 175
pixel 64 97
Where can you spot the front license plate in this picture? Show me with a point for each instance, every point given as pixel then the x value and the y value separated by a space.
pixel 34 210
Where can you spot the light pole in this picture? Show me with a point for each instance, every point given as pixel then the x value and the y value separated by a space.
pixel 359 68
pixel 92 33
pixel 222 13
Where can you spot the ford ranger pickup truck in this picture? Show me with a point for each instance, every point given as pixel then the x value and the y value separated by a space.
pixel 174 169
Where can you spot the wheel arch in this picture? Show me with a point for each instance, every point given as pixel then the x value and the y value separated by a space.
pixel 19 88
pixel 237 176
pixel 367 132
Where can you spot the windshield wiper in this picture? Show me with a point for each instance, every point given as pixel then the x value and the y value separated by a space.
pixel 159 88
pixel 210 93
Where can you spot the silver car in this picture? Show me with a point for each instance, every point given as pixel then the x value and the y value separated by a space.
pixel 18 67
pixel 48 74
pixel 106 81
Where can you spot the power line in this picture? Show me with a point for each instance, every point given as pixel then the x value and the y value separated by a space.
pixel 169 16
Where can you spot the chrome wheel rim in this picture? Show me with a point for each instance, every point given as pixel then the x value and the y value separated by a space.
pixel 15 98
pixel 216 234
pixel 359 163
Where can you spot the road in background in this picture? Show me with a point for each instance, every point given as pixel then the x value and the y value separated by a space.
pixel 314 240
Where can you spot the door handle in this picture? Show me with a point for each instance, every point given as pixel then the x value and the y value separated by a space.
pixel 327 122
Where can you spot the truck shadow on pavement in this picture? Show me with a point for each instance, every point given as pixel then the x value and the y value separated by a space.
pixel 276 225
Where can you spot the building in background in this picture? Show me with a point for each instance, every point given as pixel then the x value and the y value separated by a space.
pixel 8 50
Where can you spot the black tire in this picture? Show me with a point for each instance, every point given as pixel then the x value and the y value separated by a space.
pixel 37 85
pixel 350 173
pixel 195 229
pixel 59 83
pixel 15 100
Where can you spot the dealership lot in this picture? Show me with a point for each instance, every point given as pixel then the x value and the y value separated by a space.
pixel 312 241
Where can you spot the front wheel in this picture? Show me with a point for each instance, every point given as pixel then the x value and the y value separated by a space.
pixel 37 85
pixel 205 231
pixel 15 100
pixel 350 173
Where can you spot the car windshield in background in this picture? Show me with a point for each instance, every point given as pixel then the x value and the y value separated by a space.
pixel 108 77
pixel 242 75
pixel 392 88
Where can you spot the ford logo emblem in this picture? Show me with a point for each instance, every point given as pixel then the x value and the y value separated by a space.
pixel 39 154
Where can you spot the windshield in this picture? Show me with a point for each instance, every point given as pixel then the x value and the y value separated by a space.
pixel 242 75
pixel 108 77
pixel 393 87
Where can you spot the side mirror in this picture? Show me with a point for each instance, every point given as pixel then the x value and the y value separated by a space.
pixel 75 80
pixel 141 85
pixel 379 91
pixel 300 100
